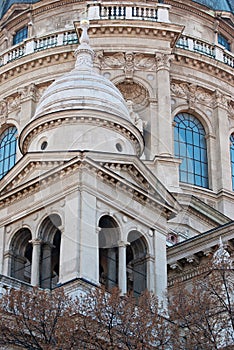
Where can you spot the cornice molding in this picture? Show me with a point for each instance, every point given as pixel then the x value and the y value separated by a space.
pixel 135 28
pixel 63 169
pixel 204 64
pixel 54 120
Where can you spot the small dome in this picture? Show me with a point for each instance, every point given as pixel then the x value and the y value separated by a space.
pixel 85 90
pixel 82 110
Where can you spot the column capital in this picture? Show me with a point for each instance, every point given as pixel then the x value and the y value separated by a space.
pixel 163 60
pixel 123 244
pixel 36 241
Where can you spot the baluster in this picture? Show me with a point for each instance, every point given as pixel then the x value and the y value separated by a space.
pixel 102 11
pixel 122 11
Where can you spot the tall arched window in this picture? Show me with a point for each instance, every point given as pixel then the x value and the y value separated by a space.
pixel 136 261
pixel 21 255
pixel 8 143
pixel 190 146
pixel 108 252
pixel 232 157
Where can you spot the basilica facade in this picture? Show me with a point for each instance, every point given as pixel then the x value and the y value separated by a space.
pixel 116 142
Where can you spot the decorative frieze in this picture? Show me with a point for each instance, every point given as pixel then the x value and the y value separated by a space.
pixel 192 93
pixel 129 62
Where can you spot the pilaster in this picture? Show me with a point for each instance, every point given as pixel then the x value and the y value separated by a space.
pixel 164 135
pixel 223 170
pixel 160 265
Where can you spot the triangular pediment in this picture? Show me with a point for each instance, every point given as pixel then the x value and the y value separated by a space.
pixel 31 167
pixel 128 173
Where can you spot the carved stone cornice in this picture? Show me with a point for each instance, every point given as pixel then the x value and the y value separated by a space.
pixel 149 30
pixel 204 64
pixel 41 182
pixel 59 120
pixel 34 61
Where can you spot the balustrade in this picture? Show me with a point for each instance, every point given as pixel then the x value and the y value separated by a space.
pixel 30 46
pixel 15 53
pixel 46 42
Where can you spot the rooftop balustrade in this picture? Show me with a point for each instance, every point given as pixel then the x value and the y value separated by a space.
pixel 108 11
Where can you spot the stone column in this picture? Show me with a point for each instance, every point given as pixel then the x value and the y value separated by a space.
pixel 46 265
pixel 164 135
pixel 150 273
pixel 122 273
pixel 111 268
pixel 36 255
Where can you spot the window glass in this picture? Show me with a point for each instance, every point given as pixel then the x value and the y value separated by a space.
pixel 8 144
pixel 190 146
pixel 232 158
pixel 20 35
pixel 224 42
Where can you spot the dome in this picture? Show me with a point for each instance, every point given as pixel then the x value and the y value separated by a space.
pixel 83 89
pixel 217 5
pixel 82 110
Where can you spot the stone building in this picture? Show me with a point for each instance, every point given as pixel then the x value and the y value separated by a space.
pixel 116 141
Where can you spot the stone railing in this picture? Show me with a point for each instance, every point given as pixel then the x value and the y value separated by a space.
pixel 107 10
pixel 32 45
pixel 216 52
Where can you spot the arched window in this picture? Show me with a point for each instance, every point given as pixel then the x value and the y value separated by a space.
pixel 136 261
pixel 232 158
pixel 108 252
pixel 8 143
pixel 190 146
pixel 50 251
pixel 21 255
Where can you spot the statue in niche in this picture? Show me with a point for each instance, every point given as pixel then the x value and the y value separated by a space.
pixel 137 121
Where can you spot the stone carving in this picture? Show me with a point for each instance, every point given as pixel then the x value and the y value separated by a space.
pixel 13 103
pixel 137 121
pixel 231 108
pixel 129 65
pixel 28 92
pixel 163 61
pixel 3 109
pixel 221 257
pixel 129 62
pixel 144 62
pixel 114 61
pixel 220 99
pixel 134 92
pixel 192 93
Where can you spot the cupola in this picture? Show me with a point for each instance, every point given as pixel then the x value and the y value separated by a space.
pixel 82 110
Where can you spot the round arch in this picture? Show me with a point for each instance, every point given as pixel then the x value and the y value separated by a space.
pixel 199 114
pixel 136 261
pixel 109 236
pixel 50 236
pixel 21 255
